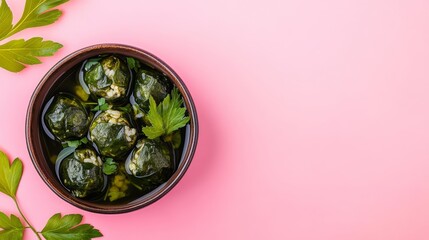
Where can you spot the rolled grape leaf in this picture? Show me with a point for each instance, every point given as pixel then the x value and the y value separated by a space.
pixel 151 161
pixel 67 118
pixel 81 173
pixel 107 77
pixel 112 133
pixel 150 82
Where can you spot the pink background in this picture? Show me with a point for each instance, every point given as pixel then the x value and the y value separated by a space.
pixel 314 116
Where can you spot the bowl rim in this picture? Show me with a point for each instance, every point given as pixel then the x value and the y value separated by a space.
pixel 55 73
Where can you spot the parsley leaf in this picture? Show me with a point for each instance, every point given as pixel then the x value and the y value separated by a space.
pixel 12 227
pixel 133 64
pixel 110 166
pixel 155 119
pixel 75 143
pixel 10 175
pixel 84 140
pixel 5 19
pixel 127 108
pixel 37 13
pixel 67 227
pixel 16 53
pixel 69 147
pixel 167 117
pixel 102 105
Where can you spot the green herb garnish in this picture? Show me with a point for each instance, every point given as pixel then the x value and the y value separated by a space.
pixel 102 105
pixel 69 147
pixel 109 166
pixel 75 143
pixel 57 227
pixel 167 117
pixel 14 54
pixel 133 64
pixel 127 108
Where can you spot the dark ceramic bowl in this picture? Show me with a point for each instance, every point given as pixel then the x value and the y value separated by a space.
pixel 34 131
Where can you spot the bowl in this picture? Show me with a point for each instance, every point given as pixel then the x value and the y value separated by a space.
pixel 34 131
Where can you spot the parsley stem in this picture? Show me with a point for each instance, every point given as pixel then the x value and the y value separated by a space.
pixel 136 186
pixel 25 219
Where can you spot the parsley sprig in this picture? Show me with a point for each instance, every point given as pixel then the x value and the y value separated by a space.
pixel 167 117
pixel 57 227
pixel 15 54
pixel 133 64
pixel 75 143
pixel 102 105
pixel 110 166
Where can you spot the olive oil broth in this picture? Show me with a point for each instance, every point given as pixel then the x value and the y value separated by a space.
pixel 70 83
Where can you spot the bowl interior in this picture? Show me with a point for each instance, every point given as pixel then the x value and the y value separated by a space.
pixel 49 85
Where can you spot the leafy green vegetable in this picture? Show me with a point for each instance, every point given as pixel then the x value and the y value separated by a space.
pixel 150 82
pixel 67 227
pixel 5 19
pixel 84 140
pixel 108 77
pixel 102 105
pixel 127 108
pixel 57 228
pixel 10 175
pixel 156 120
pixel 37 13
pixel 67 118
pixel 167 117
pixel 12 227
pixel 110 166
pixel 133 64
pixel 76 143
pixel 81 172
pixel 112 133
pixel 152 162
pixel 16 53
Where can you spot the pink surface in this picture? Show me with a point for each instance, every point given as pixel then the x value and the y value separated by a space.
pixel 313 117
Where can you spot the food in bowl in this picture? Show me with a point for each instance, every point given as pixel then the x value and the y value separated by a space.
pixel 112 133
pixel 107 77
pixel 114 129
pixel 67 118
pixel 81 173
